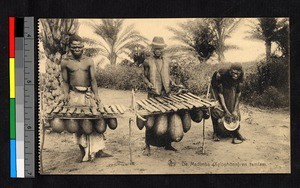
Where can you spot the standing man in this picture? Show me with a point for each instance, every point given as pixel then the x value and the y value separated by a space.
pixel 157 80
pixel 226 88
pixel 80 88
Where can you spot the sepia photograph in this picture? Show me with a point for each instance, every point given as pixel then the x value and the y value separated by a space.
pixel 164 96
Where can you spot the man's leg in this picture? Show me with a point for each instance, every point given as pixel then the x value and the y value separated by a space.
pixel 97 145
pixel 168 143
pixel 82 153
pixel 86 150
pixel 82 141
pixel 237 138
pixel 146 151
pixel 215 128
pixel 170 147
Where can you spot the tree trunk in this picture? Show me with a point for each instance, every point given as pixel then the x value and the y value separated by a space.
pixel 113 59
pixel 221 56
pixel 54 36
pixel 268 50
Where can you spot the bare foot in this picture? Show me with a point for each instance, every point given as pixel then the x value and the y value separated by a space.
pixel 85 158
pixel 146 151
pixel 236 141
pixel 93 156
pixel 102 154
pixel 216 137
pixel 170 148
pixel 240 137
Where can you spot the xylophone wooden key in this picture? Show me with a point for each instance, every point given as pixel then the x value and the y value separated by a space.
pixel 179 106
pixel 196 103
pixel 77 111
pixel 87 111
pixel 207 103
pixel 183 104
pixel 154 109
pixel 101 110
pixel 166 103
pixel 64 110
pixel 123 108
pixel 71 110
pixel 107 109
pixel 145 106
pixel 114 109
pixel 184 101
pixel 158 105
pixel 56 109
pixel 120 109
pixel 49 110
pixel 199 100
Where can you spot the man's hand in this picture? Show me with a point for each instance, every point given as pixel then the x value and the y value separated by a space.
pixel 66 99
pixel 228 117
pixel 227 113
pixel 235 116
pixel 150 86
pixel 180 86
pixel 98 101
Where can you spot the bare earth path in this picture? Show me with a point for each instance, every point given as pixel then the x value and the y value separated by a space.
pixel 267 149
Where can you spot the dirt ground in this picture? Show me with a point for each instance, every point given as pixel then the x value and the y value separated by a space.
pixel 266 150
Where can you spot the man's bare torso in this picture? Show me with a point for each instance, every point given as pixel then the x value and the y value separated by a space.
pixel 79 72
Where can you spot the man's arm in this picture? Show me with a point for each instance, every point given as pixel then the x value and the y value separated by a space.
pixel 93 80
pixel 237 98
pixel 216 83
pixel 65 82
pixel 222 101
pixel 237 101
pixel 146 75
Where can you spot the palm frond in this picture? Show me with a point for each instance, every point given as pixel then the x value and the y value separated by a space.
pixel 128 45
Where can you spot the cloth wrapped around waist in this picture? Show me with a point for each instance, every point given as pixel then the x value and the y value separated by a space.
pixel 81 96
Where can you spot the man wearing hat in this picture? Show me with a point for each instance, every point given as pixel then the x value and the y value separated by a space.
pixel 226 88
pixel 157 80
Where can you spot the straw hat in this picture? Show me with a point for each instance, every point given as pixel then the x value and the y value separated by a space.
pixel 158 42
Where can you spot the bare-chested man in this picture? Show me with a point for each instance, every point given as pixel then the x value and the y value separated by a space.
pixel 80 88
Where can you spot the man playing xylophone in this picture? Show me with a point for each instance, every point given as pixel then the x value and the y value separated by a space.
pixel 80 88
pixel 157 80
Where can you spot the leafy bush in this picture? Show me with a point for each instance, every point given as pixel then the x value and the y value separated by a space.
pixel 268 85
pixel 120 77
pixel 270 97
pixel 199 76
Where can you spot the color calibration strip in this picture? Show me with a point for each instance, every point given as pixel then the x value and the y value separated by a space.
pixel 19 66
pixel 12 95
pixel 21 72
pixel 29 98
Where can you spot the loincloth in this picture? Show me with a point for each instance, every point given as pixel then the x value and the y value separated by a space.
pixel 83 97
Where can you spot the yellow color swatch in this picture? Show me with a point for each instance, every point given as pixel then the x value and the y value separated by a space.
pixel 12 76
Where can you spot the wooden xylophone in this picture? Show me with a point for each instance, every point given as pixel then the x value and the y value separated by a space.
pixel 173 103
pixel 67 112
